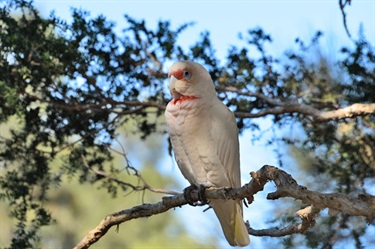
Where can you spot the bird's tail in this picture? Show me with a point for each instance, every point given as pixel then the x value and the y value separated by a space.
pixel 229 213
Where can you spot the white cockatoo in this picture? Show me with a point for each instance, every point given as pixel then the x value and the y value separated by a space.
pixel 204 138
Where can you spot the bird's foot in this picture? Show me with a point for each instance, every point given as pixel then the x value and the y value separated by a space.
pixel 202 194
pixel 187 195
pixel 202 200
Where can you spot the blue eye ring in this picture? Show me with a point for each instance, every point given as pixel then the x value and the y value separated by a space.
pixel 186 74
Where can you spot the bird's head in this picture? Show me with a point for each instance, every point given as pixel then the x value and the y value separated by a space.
pixel 190 80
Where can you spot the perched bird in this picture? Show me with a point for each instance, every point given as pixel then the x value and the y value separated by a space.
pixel 204 138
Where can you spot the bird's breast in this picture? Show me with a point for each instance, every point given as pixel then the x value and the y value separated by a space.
pixel 177 112
pixel 188 124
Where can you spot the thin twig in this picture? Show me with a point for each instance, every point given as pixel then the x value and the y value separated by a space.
pixel 143 187
pixel 342 4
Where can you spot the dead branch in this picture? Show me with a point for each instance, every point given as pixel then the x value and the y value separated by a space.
pixel 286 186
pixel 307 215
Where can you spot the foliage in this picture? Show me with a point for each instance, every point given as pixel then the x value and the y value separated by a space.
pixel 71 86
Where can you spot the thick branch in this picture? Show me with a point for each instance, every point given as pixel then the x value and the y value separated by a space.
pixel 348 112
pixel 285 107
pixel 351 111
pixel 362 205
pixel 144 210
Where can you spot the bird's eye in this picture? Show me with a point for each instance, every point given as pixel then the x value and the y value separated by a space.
pixel 186 75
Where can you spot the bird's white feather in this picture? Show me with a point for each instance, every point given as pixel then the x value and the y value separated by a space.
pixel 204 138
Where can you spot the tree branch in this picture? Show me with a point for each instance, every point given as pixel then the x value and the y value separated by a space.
pixel 284 107
pixel 348 112
pixel 307 215
pixel 342 4
pixel 351 111
pixel 277 107
pixel 145 186
pixel 361 205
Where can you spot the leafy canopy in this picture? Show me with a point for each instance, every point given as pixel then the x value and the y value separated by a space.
pixel 68 87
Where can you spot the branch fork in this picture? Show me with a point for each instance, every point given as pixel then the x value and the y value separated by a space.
pixel 362 205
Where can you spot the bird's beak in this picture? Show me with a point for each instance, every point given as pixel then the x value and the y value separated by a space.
pixel 172 82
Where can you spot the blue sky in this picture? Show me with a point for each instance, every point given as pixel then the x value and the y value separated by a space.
pixel 284 20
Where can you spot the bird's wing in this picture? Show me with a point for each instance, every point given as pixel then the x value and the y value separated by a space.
pixel 224 133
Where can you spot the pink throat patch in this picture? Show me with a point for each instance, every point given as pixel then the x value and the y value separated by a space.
pixel 182 99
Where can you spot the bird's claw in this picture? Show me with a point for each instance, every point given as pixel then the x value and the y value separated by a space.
pixel 202 200
pixel 202 194
pixel 187 195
